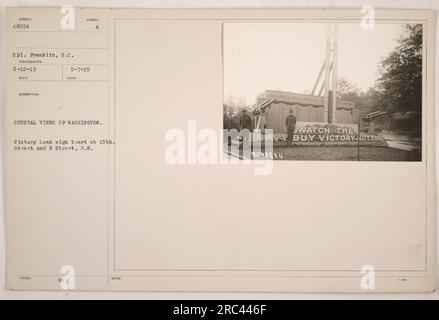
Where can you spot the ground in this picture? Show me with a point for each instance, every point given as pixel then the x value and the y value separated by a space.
pixel 346 153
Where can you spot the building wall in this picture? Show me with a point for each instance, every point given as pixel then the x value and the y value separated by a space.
pixel 344 116
pixel 278 112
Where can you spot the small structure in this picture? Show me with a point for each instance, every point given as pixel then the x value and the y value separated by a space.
pixel 273 108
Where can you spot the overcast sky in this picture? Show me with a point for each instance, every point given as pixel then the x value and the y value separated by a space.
pixel 288 56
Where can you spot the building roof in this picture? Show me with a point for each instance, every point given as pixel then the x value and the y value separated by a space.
pixel 303 99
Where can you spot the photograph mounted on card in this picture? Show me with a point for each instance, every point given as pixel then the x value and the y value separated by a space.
pixel 236 150
pixel 324 91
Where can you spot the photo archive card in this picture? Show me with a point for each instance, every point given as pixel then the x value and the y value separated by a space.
pixel 228 150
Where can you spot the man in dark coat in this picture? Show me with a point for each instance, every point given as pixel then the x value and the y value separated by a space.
pixel 245 122
pixel 291 127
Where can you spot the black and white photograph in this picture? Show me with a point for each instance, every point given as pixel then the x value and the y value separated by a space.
pixel 324 91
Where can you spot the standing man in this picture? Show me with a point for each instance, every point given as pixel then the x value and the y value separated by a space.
pixel 245 122
pixel 263 123
pixel 291 126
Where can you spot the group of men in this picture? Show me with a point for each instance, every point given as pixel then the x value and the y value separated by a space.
pixel 245 122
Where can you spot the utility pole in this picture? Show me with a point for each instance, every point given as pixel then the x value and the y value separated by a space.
pixel 327 72
pixel 334 74
pixel 330 81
